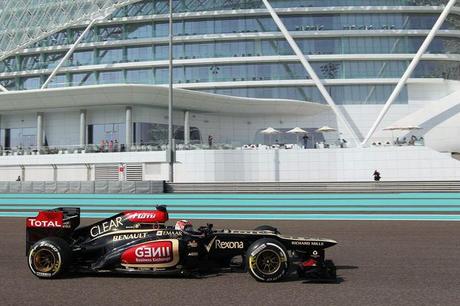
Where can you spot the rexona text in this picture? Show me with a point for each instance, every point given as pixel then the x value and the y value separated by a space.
pixel 229 244
pixel 106 226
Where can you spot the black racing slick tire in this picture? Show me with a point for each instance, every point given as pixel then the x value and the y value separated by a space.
pixel 49 258
pixel 267 260
pixel 267 228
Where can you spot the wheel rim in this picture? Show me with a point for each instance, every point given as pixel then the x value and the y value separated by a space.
pixel 268 262
pixel 44 261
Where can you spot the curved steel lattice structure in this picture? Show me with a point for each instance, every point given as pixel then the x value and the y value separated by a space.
pixel 26 21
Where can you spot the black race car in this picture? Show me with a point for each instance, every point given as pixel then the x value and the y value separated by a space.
pixel 140 242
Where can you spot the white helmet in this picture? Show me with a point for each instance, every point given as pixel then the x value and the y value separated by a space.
pixel 183 225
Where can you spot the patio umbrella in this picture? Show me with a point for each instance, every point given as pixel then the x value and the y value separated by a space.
pixel 270 131
pixel 297 131
pixel 326 129
pixel 401 128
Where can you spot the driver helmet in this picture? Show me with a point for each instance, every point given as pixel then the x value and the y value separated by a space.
pixel 184 225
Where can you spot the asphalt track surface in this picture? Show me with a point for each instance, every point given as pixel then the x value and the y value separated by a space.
pixel 380 263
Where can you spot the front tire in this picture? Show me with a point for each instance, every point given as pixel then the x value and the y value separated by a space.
pixel 49 258
pixel 267 260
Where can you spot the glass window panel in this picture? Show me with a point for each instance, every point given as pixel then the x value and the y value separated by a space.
pixel 139 76
pixel 31 62
pixel 52 60
pixel 139 54
pixel 59 80
pixel 81 58
pixel 110 56
pixel 8 65
pixel 161 52
pixel 114 132
pixel 23 137
pixel 30 83
pixel 81 79
pixel 9 84
pixel 108 33
pixel 111 77
pixel 139 30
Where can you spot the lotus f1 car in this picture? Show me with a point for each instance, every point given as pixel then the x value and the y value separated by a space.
pixel 141 242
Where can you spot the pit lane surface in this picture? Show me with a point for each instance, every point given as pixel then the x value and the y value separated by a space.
pixel 380 263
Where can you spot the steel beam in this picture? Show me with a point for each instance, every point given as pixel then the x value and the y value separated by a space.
pixel 73 22
pixel 311 72
pixel 69 53
pixel 410 69
pixel 170 150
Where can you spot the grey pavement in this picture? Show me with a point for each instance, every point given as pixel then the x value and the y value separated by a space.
pixel 380 263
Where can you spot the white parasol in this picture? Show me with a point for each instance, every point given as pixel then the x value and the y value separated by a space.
pixel 326 129
pixel 297 131
pixel 270 131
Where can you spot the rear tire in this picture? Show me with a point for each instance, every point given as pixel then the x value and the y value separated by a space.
pixel 49 258
pixel 267 260
pixel 267 228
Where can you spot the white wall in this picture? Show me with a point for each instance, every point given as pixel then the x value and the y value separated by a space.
pixel 353 164
pixel 420 94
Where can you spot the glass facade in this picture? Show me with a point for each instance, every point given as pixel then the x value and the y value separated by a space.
pixel 150 7
pixel 131 47
pixel 18 138
pixel 253 24
pixel 115 132
pixel 156 134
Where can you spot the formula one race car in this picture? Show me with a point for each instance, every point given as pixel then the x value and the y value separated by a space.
pixel 140 242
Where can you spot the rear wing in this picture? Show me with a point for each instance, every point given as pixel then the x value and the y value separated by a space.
pixel 58 222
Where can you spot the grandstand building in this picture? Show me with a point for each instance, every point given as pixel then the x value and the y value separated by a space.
pixel 89 100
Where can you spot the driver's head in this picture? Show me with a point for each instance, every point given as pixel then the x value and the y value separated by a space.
pixel 184 225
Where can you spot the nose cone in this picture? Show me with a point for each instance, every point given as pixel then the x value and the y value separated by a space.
pixel 328 242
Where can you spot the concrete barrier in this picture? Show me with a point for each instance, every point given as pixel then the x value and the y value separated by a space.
pixel 83 187
pixel 315 187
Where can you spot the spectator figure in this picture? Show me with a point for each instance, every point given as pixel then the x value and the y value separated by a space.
pixel 116 146
pixel 101 146
pixel 376 176
pixel 111 146
pixel 18 179
pixel 305 141
pixel 210 140
pixel 142 142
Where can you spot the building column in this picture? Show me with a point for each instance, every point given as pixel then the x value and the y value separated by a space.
pixel 83 128
pixel 129 128
pixel 39 131
pixel 187 127
pixel 1 143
